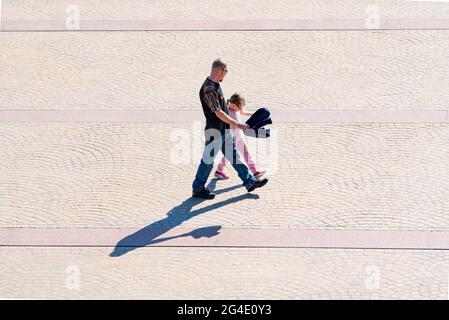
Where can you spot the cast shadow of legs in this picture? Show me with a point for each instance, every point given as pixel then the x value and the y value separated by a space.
pixel 175 217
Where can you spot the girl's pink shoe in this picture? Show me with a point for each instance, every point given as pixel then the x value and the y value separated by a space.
pixel 259 174
pixel 221 175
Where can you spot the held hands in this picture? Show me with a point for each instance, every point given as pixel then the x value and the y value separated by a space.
pixel 242 126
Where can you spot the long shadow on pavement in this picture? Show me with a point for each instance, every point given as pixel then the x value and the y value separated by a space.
pixel 175 217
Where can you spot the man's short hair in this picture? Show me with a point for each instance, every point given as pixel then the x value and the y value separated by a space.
pixel 218 64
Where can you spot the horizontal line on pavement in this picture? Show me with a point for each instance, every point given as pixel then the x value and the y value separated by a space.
pixel 227 25
pixel 177 116
pixel 184 237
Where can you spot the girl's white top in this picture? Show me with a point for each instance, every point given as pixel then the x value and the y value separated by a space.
pixel 238 133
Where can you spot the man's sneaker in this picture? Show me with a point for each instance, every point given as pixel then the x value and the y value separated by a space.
pixel 203 193
pixel 221 175
pixel 259 174
pixel 258 184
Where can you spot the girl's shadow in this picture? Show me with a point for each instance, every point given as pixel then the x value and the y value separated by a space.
pixel 175 217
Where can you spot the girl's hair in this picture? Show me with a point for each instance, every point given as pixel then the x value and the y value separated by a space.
pixel 238 100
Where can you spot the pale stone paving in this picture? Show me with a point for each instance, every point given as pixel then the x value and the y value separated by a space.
pixel 291 70
pixel 223 273
pixel 365 176
pixel 339 177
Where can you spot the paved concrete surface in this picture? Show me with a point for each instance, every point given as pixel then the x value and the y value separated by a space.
pixel 38 10
pixel 223 273
pixel 301 70
pixel 101 135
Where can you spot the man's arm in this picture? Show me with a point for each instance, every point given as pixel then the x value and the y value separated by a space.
pixel 225 118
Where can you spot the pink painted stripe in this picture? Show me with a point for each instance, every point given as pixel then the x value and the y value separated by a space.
pixel 93 115
pixel 361 116
pixel 223 25
pixel 286 238
pixel 179 116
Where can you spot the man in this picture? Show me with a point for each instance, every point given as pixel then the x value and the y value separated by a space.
pixel 219 136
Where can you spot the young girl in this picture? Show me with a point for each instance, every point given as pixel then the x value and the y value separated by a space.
pixel 236 105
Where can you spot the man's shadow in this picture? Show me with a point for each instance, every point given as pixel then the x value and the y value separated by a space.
pixel 175 217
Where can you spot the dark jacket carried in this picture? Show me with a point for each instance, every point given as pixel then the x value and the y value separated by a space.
pixel 256 124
